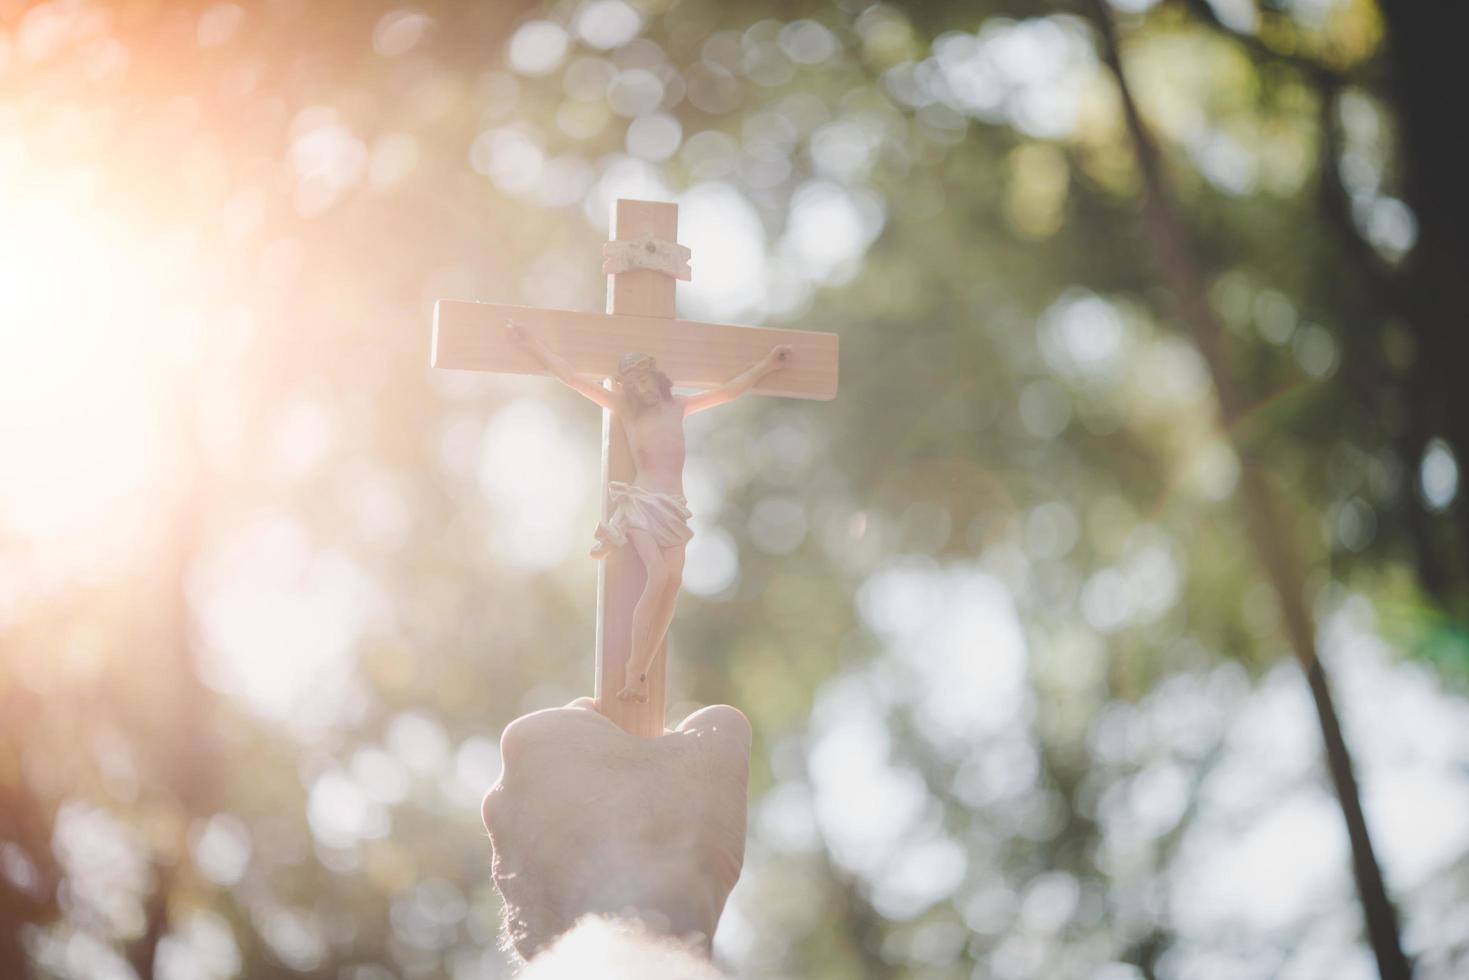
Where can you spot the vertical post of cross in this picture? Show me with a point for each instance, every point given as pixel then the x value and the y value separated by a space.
pixel 620 576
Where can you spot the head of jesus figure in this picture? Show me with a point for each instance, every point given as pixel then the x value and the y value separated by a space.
pixel 642 384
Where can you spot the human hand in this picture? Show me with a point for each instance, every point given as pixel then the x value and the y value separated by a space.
pixel 779 357
pixel 523 336
pixel 589 819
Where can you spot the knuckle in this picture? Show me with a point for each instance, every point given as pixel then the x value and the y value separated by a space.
pixel 492 807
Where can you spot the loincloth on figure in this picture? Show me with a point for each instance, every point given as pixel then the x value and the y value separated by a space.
pixel 663 515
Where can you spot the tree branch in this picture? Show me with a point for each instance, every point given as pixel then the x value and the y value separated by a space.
pixel 1268 533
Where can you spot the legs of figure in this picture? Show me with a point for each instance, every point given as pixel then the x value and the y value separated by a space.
pixel 643 614
pixel 653 612
pixel 673 563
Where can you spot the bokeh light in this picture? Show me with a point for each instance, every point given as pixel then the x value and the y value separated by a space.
pixel 1024 698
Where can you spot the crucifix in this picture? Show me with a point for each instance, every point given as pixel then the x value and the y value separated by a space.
pixel 637 338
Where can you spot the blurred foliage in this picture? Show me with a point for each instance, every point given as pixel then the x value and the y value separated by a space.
pixel 1013 670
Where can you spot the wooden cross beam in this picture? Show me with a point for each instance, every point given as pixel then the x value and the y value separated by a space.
pixel 640 317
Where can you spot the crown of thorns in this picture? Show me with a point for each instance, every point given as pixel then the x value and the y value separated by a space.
pixel 635 362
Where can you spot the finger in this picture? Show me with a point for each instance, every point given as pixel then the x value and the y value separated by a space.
pixel 720 720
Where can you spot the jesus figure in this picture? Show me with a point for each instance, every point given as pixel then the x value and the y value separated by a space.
pixel 650 512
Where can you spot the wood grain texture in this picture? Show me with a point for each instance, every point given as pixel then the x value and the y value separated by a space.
pixel 472 337
pixel 621 575
pixel 643 291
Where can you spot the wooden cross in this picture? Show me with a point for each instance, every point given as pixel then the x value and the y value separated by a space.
pixel 639 317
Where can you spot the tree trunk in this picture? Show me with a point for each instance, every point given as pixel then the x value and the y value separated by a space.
pixel 1271 540
pixel 1429 77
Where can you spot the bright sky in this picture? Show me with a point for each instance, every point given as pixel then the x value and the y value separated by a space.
pixel 92 332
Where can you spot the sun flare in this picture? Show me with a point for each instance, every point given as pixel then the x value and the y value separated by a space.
pixel 89 339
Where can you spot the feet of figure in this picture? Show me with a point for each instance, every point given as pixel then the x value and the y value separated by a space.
pixel 634 686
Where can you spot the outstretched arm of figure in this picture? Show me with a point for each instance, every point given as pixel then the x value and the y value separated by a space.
pixel 778 358
pixel 559 366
